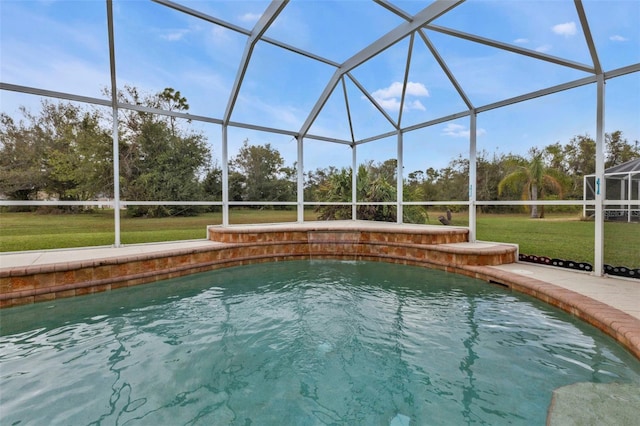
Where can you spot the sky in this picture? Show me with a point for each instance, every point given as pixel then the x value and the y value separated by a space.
pixel 62 46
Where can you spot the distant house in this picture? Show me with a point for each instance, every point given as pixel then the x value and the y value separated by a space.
pixel 621 191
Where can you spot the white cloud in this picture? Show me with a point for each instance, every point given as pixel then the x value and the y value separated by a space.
pixel 617 37
pixel 521 40
pixel 250 17
pixel 460 131
pixel 391 104
pixel 389 97
pixel 174 35
pixel 567 29
pixel 395 90
pixel 219 36
pixel 392 91
pixel 544 48
pixel 416 104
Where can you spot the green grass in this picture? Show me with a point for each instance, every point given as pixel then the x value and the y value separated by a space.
pixel 31 231
pixel 562 236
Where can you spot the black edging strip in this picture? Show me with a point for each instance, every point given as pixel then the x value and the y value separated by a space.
pixel 620 271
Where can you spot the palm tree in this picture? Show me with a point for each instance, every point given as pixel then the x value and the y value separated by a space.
pixel 375 183
pixel 534 178
pixel 336 187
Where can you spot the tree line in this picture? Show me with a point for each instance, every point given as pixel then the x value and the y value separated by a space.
pixel 64 152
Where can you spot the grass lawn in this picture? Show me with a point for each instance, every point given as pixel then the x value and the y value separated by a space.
pixel 563 237
pixel 31 231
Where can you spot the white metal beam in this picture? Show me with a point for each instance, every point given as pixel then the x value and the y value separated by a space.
pixel 372 100
pixel 598 261
pixel 473 181
pixel 354 183
pixel 394 9
pixel 203 16
pixel 262 128
pixel 54 94
pixel 300 179
pixel 446 69
pixel 404 15
pixel 176 114
pixel 629 69
pixel 437 121
pixel 377 137
pixel 514 49
pixel 225 176
pixel 266 19
pixel 406 78
pixel 328 139
pixel 346 104
pixel 400 179
pixel 588 37
pixel 422 18
pixel 322 100
pixel 241 30
pixel 538 93
pixel 114 131
pixel 300 51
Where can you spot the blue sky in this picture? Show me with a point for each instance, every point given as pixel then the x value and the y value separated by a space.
pixel 61 45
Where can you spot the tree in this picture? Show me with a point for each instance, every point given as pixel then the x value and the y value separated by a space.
pixel 374 183
pixel 619 150
pixel 489 173
pixel 258 173
pixel 171 100
pixel 21 159
pixel 62 152
pixel 160 160
pixel 534 179
pixel 336 187
pixel 212 185
pixel 315 180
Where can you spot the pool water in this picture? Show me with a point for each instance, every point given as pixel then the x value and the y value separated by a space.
pixel 298 343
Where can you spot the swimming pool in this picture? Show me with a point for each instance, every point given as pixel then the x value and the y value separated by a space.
pixel 302 342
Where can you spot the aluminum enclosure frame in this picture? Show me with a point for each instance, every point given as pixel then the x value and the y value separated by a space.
pixel 416 28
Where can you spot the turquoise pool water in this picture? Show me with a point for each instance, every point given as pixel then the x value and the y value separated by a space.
pixel 298 343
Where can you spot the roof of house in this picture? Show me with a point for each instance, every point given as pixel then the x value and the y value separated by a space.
pixel 628 167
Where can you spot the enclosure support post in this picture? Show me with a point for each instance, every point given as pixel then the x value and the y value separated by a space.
pixel 225 178
pixel 629 189
pixel 300 180
pixel 472 177
pixel 584 196
pixel 354 182
pixel 115 135
pixel 399 180
pixel 598 266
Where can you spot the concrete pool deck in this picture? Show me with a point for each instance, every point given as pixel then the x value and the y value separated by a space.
pixel 610 304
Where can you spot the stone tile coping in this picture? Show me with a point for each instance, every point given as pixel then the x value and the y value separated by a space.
pixel 26 259
pixel 341 225
pixel 577 296
pixel 623 294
